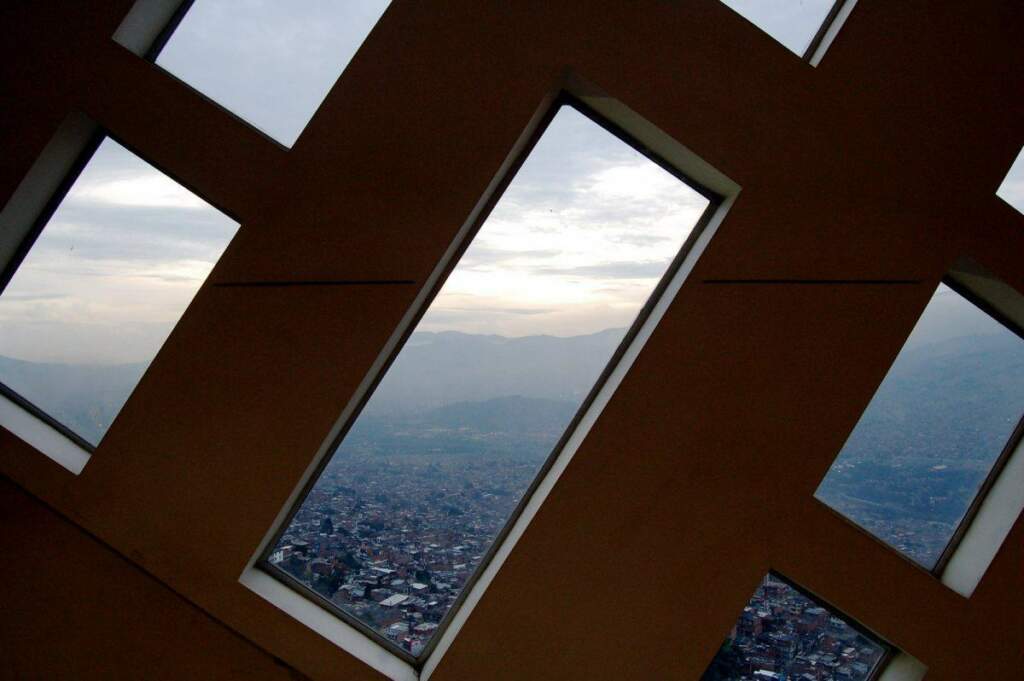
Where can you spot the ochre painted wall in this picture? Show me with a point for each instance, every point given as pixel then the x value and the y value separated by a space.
pixel 881 163
pixel 75 609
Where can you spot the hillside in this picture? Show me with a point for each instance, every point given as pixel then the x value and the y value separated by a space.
pixel 85 398
pixel 437 369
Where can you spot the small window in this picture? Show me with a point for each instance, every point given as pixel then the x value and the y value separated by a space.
pixel 799 26
pixel 92 297
pixel 784 633
pixel 938 429
pixel 409 506
pixel 270 63
pixel 1012 188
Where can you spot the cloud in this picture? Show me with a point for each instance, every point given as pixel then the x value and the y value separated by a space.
pixel 639 239
pixel 114 268
pixel 33 297
pixel 612 270
pixel 574 246
pixel 109 232
pixel 640 181
pixel 148 189
pixel 498 311
pixel 588 224
pixel 480 255
pixel 1012 188
pixel 117 177
pixel 270 62
pixel 791 23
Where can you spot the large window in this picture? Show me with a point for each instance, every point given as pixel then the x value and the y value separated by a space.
pixel 445 450
pixel 92 296
pixel 271 62
pixel 937 431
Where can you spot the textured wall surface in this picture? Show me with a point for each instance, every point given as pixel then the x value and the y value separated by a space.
pixel 75 609
pixel 879 164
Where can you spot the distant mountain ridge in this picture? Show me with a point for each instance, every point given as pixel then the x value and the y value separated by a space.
pixel 515 414
pixel 433 371
pixel 499 427
pixel 85 398
pixel 977 380
pixel 437 369
pixel 534 384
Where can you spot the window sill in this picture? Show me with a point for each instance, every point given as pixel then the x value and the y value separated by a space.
pixel 42 436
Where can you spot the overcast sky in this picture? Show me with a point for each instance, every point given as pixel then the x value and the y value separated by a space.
pixel 114 268
pixel 574 246
pixel 576 243
pixel 949 315
pixel 271 62
pixel 1012 188
pixel 792 22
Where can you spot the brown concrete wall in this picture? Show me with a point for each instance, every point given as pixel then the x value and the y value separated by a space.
pixel 879 164
pixel 75 609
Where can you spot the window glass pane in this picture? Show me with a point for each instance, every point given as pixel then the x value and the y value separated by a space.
pixel 478 397
pixel 102 286
pixel 794 24
pixel 270 62
pixel 1012 188
pixel 933 430
pixel 784 634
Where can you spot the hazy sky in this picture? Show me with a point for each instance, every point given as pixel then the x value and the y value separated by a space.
pixel 271 62
pixel 792 22
pixel 574 246
pixel 114 268
pixel 1012 188
pixel 949 315
pixel 576 243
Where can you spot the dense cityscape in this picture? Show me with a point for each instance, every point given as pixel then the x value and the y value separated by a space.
pixel 785 636
pixel 407 509
pixel 931 434
pixel 393 541
pixel 860 491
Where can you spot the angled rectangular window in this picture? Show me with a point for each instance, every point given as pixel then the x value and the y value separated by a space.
pixel 1011 189
pixel 784 633
pixel 447 448
pixel 90 298
pixel 270 63
pixel 799 26
pixel 937 431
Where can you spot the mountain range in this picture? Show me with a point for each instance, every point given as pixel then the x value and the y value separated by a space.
pixel 83 397
pixel 487 383
pixel 454 377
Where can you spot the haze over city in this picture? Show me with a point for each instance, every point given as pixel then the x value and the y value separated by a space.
pixel 445 449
